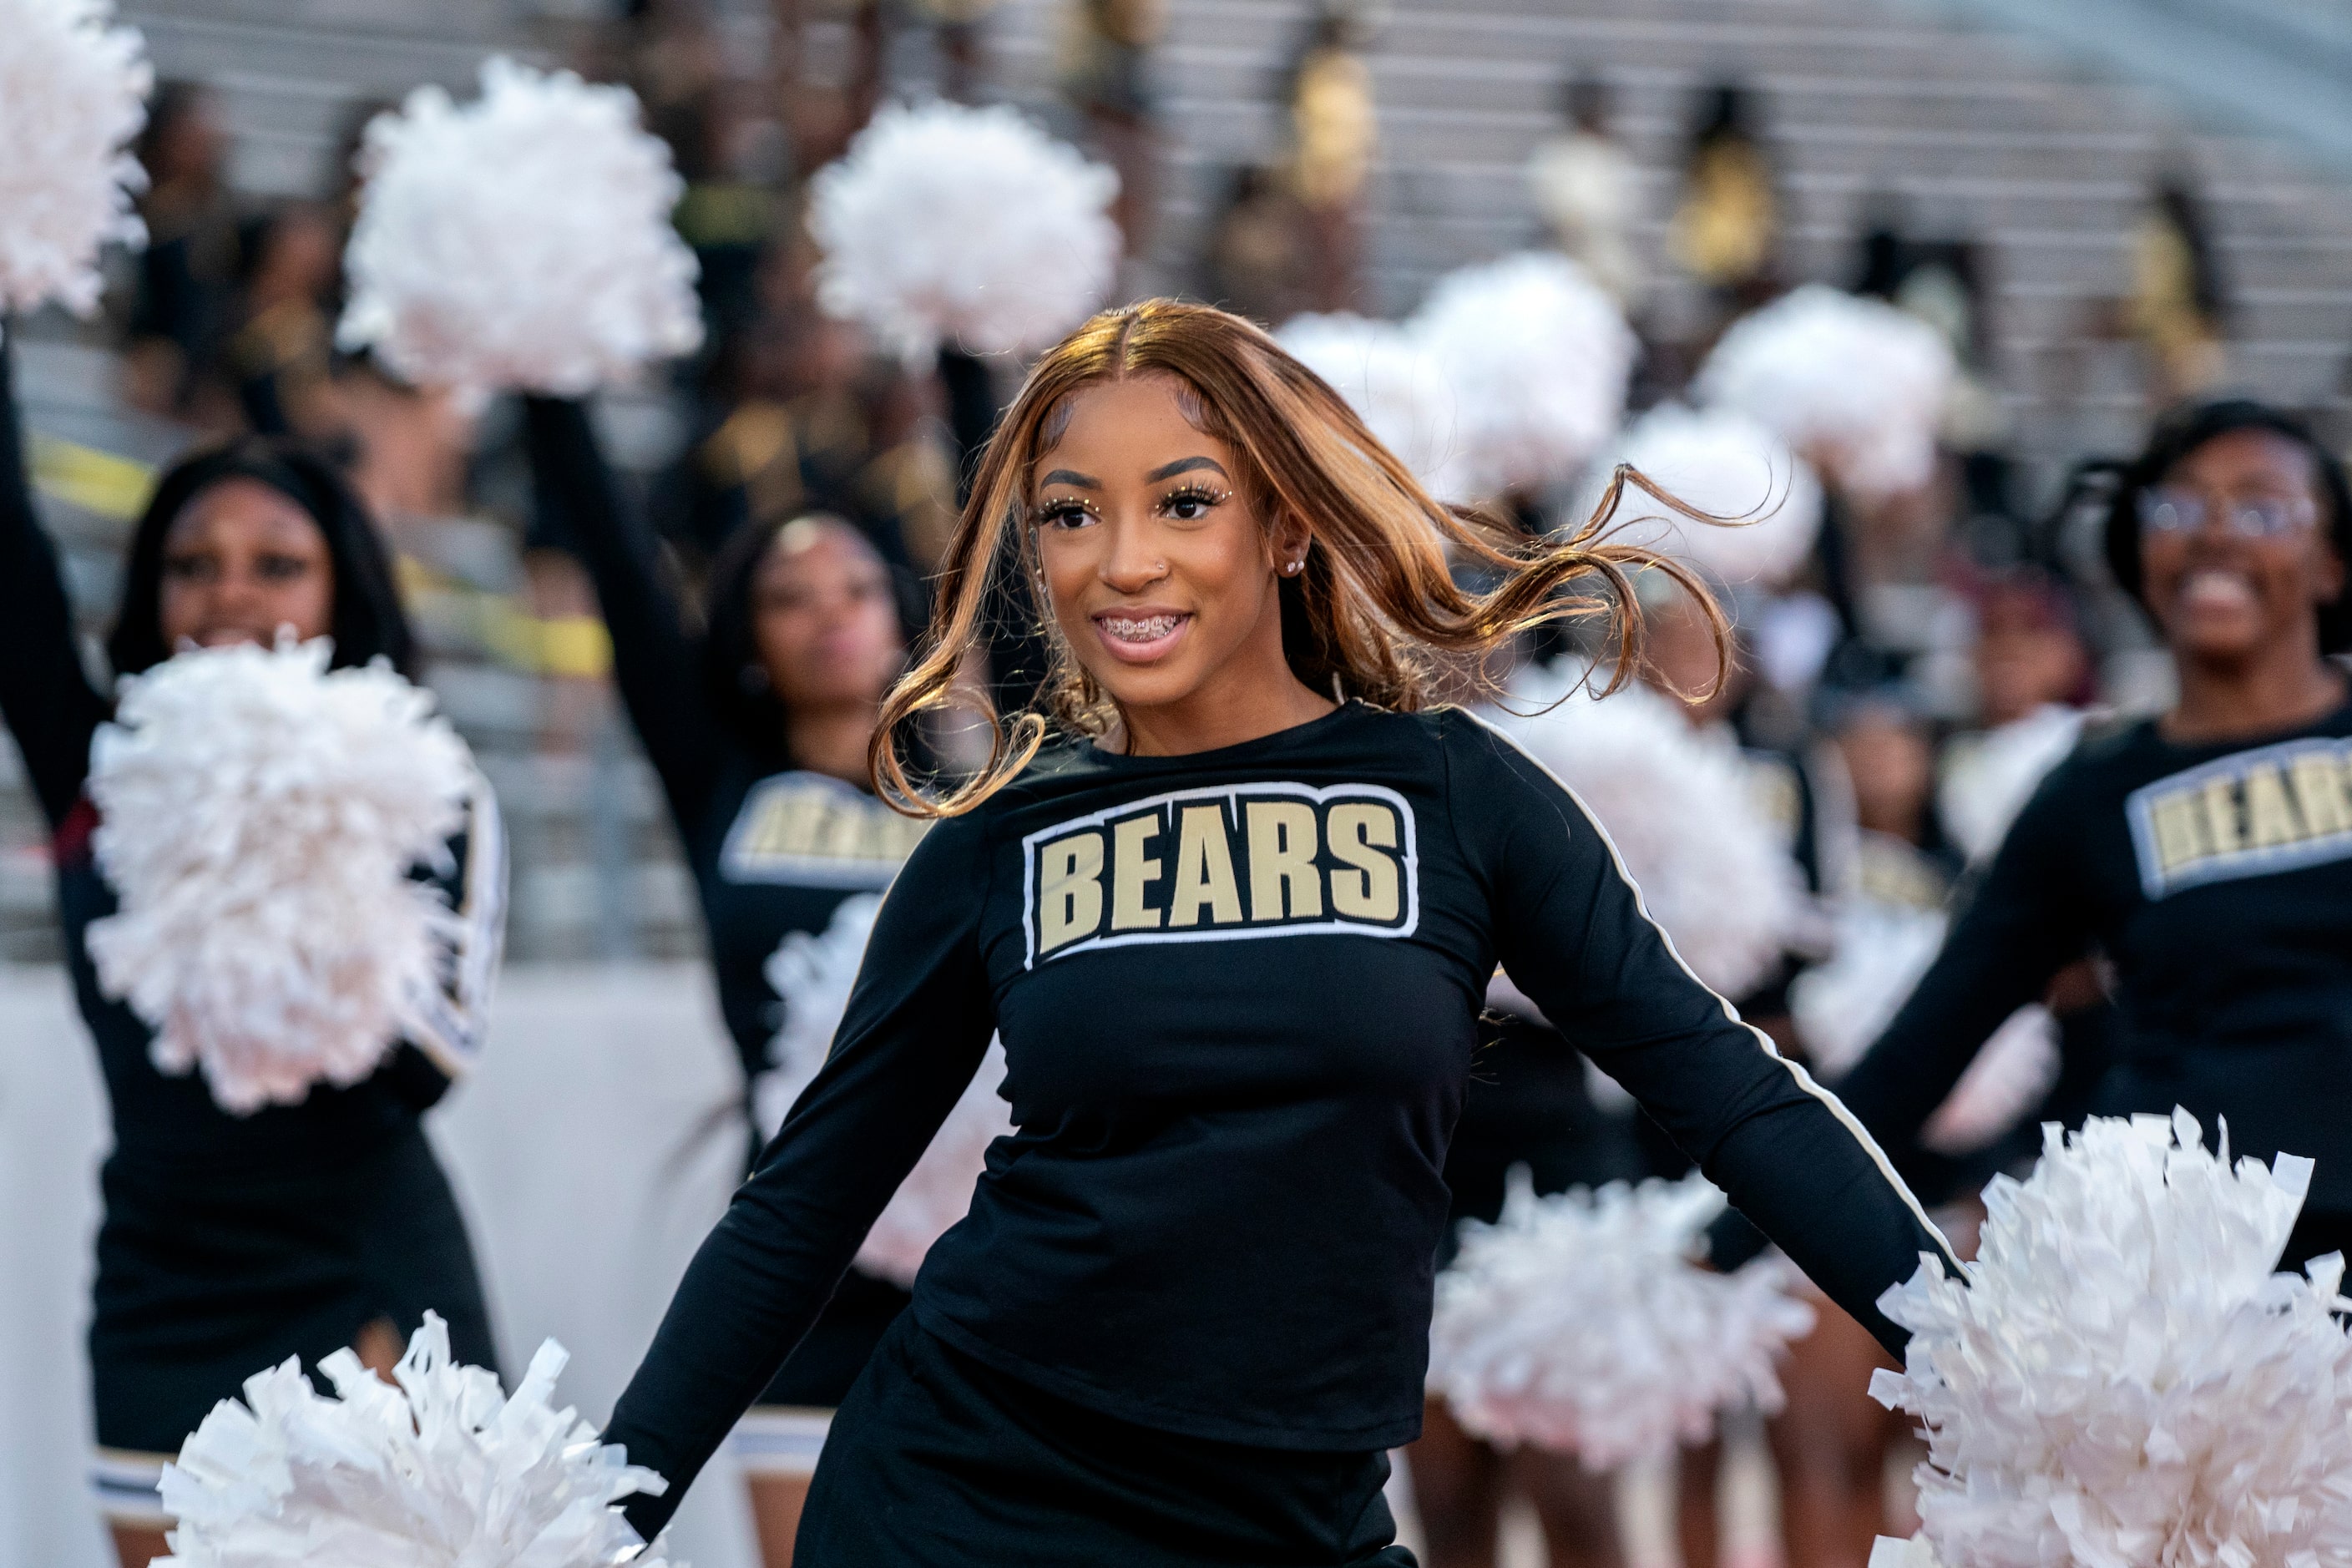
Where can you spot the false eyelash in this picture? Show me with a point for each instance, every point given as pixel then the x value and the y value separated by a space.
pixel 1208 495
pixel 1047 511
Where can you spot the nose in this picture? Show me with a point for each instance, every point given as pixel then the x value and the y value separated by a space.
pixel 1133 562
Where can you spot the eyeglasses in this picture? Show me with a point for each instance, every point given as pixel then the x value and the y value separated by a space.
pixel 2166 510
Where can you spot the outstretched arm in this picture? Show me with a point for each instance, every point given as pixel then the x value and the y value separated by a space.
pixel 48 700
pixel 1572 934
pixel 916 1026
pixel 654 661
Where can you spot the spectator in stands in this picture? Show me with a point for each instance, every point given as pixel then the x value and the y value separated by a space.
pixel 187 273
pixel 1588 192
pixel 1107 77
pixel 280 355
pixel 1257 263
pixel 1727 230
pixel 2179 305
pixel 1333 133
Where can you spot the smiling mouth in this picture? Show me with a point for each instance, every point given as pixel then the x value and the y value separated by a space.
pixel 1138 628
pixel 2212 588
pixel 1141 637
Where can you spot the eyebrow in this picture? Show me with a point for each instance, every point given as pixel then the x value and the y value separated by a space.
pixel 1071 477
pixel 1183 466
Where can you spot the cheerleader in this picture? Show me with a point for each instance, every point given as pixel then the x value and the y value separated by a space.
pixel 232 1242
pixel 759 732
pixel 2205 856
pixel 1235 928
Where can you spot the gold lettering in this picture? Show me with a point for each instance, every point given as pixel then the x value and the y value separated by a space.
pixel 2270 818
pixel 2221 804
pixel 2319 790
pixel 795 825
pixel 1282 860
pixel 1369 892
pixel 1070 903
pixel 1204 869
pixel 2179 838
pixel 1130 873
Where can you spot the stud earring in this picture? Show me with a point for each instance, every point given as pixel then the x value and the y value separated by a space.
pixel 1291 568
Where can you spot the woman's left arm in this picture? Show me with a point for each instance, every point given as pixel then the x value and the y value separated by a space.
pixel 1571 932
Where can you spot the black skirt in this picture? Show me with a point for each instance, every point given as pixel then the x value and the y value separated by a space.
pixel 936 1460
pixel 206 1277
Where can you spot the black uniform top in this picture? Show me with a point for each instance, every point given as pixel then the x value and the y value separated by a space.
pixel 167 1124
pixel 772 849
pixel 1237 992
pixel 2217 880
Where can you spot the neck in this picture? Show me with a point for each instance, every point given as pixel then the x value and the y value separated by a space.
pixel 833 740
pixel 2272 689
pixel 1224 713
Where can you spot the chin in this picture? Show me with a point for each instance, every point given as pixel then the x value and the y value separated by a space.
pixel 1148 687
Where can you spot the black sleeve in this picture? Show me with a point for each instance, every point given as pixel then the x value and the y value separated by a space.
pixel 654 661
pixel 2020 925
pixel 917 1024
pixel 1572 934
pixel 48 702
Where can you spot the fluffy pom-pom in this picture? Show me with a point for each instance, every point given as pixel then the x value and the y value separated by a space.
pixel 521 241
pixel 260 816
pixel 1535 358
pixel 73 93
pixel 2122 1380
pixel 1679 808
pixel 1855 385
pixel 1579 1322
pixel 2006 1081
pixel 813 975
pixel 945 224
pixel 439 1472
pixel 1727 464
pixel 1388 379
pixel 1988 778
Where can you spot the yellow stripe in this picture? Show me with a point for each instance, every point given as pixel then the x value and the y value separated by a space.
pixel 93 480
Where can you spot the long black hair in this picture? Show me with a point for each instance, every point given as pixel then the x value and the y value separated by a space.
pixel 733 675
pixel 368 622
pixel 2181 432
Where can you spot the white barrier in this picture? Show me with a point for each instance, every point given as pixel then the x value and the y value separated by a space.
pixel 591 1150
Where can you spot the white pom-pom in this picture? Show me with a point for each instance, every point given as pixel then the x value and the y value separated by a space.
pixel 944 224
pixel 260 816
pixel 73 93
pixel 2122 1380
pixel 1727 464
pixel 439 1472
pixel 1855 385
pixel 1841 1007
pixel 1536 359
pixel 1388 379
pixel 1988 778
pixel 813 975
pixel 2006 1081
pixel 521 241
pixel 1681 812
pixel 1579 1323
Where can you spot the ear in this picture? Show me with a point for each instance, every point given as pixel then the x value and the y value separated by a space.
pixel 1287 540
pixel 2327 572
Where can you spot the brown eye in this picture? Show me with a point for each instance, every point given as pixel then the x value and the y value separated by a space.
pixel 272 568
pixel 191 568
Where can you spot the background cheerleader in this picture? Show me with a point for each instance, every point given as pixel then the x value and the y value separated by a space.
pixel 758 728
pixel 233 1241
pixel 2205 856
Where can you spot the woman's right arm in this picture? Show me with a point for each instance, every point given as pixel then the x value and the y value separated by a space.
pixel 918 1025
pixel 653 662
pixel 45 695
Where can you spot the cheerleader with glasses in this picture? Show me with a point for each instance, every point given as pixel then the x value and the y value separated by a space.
pixel 2204 856
pixel 1232 908
pixel 231 1242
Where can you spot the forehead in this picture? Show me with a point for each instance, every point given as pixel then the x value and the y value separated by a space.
pixel 807 545
pixel 1145 419
pixel 244 505
pixel 2241 455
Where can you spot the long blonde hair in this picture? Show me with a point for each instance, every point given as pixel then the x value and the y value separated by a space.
pixel 1376 598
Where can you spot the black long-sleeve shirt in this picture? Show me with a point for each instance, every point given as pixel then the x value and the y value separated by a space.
pixel 2217 881
pixel 169 1124
pixel 773 848
pixel 1237 992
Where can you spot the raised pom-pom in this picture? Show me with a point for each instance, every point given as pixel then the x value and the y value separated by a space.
pixel 1579 1322
pixel 1390 380
pixel 813 975
pixel 2122 1379
pixel 1536 358
pixel 1680 810
pixel 260 818
pixel 972 226
pixel 1855 386
pixel 73 93
pixel 1989 777
pixel 1724 464
pixel 441 1471
pixel 519 242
